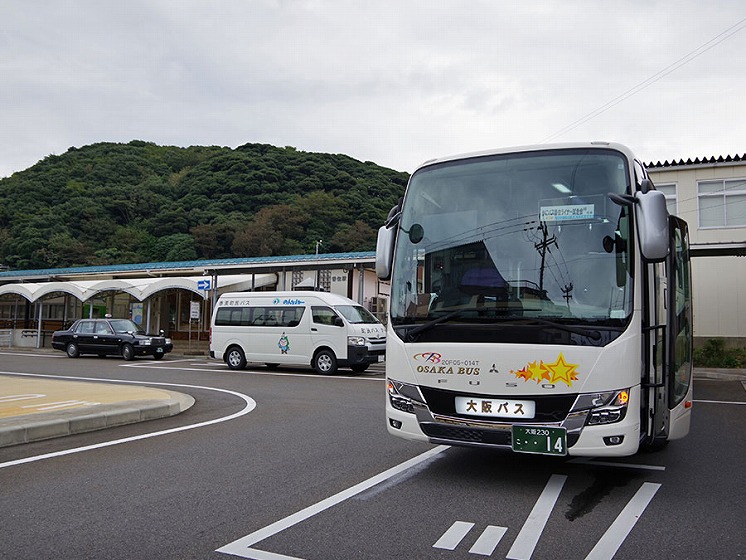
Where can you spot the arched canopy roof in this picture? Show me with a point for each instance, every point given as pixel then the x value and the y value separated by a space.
pixel 139 288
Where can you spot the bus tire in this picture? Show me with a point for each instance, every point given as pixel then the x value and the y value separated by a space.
pixel 325 362
pixel 235 358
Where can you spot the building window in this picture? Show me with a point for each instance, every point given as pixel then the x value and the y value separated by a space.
pixel 722 203
pixel 669 189
pixel 325 280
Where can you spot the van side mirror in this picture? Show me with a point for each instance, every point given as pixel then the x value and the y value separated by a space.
pixel 652 225
pixel 338 322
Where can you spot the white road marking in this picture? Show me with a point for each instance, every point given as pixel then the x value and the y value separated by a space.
pixel 25 397
pixel 614 536
pixel 60 404
pixel 249 406
pixel 594 462
pixel 454 535
pixel 256 372
pixel 39 355
pixel 242 547
pixel 525 543
pixel 720 402
pixel 488 540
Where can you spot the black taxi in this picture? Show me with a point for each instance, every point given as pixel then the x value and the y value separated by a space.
pixel 107 337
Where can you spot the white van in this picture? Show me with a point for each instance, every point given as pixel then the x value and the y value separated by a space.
pixel 317 328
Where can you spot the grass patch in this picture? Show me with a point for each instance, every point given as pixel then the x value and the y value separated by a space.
pixel 714 354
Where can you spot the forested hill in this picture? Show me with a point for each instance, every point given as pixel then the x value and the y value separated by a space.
pixel 139 202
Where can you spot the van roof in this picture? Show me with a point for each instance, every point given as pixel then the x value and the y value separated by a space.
pixel 327 297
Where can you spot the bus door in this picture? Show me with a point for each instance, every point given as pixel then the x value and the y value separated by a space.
pixel 680 331
pixel 671 376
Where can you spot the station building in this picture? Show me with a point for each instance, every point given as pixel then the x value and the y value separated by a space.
pixel 175 297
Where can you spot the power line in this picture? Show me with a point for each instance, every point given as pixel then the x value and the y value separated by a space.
pixel 652 79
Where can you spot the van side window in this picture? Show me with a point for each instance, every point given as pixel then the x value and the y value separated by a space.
pixel 323 315
pixel 233 317
pixel 291 316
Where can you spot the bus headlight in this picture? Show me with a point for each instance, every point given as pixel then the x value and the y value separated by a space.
pixel 614 410
pixel 402 396
pixel 356 341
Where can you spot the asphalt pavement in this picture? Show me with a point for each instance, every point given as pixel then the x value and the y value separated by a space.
pixel 36 408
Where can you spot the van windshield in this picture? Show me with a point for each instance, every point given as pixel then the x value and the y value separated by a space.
pixel 356 314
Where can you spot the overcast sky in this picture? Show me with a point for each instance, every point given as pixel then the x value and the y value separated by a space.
pixel 393 82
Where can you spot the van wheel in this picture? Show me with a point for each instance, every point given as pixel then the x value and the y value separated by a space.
pixel 359 368
pixel 272 365
pixel 325 362
pixel 235 358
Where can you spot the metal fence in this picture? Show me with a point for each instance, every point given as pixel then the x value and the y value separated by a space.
pixel 6 338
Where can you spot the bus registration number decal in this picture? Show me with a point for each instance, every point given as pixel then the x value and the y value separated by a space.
pixel 535 439
pixel 503 408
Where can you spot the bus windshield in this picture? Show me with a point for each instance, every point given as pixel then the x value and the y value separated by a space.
pixel 527 241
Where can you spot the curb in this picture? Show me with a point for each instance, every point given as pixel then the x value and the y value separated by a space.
pixel 48 425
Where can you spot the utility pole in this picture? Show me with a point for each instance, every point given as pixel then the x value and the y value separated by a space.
pixel 543 248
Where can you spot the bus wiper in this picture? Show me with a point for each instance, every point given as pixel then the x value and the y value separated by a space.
pixel 592 334
pixel 412 333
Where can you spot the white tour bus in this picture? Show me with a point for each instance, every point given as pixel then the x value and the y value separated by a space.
pixel 317 328
pixel 540 301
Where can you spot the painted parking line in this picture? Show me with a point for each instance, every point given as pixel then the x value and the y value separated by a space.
pixel 613 538
pixel 485 544
pixel 243 547
pixel 454 535
pixel 525 543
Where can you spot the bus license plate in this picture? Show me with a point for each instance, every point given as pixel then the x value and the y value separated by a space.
pixel 537 439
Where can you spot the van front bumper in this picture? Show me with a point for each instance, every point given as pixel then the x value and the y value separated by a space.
pixel 364 355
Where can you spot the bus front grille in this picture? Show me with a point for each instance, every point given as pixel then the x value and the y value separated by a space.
pixel 467 435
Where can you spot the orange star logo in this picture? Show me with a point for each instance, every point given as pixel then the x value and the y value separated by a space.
pixel 522 373
pixel 538 371
pixel 562 371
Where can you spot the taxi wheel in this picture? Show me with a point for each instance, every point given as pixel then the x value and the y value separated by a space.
pixel 325 362
pixel 128 353
pixel 157 356
pixel 72 350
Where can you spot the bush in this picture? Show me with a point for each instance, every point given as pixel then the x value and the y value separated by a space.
pixel 714 354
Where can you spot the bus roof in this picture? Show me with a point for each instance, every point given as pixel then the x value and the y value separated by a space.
pixel 599 145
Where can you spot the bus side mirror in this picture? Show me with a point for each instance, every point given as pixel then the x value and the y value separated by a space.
pixel 385 251
pixel 385 243
pixel 652 225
